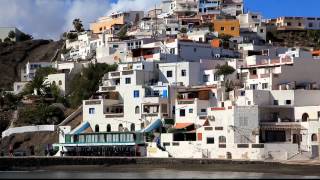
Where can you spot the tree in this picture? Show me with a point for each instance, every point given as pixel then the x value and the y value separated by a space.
pixel 38 81
pixel 72 36
pixel 25 37
pixel 122 34
pixel 183 30
pixel 7 40
pixel 78 26
pixel 0 40
pixel 11 35
pixel 84 84
pixel 225 70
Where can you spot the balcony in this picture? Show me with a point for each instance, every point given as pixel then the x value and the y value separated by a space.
pixel 108 88
pixel 253 76
pixel 92 102
pixel 127 72
pixel 280 125
pixel 186 101
pixel 114 115
pixel 265 75
pixel 153 100
pixel 115 74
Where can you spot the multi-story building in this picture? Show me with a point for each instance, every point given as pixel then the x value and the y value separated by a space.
pixel 4 32
pixel 227 26
pixel 232 7
pixel 295 23
pixel 105 23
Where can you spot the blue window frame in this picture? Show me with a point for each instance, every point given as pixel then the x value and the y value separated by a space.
pixel 165 93
pixel 136 93
pixel 91 110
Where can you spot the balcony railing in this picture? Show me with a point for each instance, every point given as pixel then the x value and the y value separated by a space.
pixel 109 88
pixel 92 102
pixel 127 72
pixel 253 77
pixel 114 115
pixel 185 101
pixel 264 75
pixel 115 74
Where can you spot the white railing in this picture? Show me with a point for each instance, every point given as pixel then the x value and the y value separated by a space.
pixel 25 129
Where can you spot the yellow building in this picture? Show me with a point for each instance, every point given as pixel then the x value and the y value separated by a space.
pixel 227 26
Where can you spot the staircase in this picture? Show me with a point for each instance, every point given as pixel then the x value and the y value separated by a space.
pixel 304 155
pixel 71 116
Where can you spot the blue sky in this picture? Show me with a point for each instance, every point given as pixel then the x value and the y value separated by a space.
pixel 275 8
pixel 50 18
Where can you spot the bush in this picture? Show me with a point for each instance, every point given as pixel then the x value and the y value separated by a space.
pixel 84 84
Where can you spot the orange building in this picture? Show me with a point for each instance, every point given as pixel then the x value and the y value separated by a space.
pixel 107 22
pixel 227 26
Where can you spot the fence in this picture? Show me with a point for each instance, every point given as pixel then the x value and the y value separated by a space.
pixel 26 129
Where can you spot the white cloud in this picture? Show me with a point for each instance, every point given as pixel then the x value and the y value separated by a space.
pixel 50 18
pixel 127 5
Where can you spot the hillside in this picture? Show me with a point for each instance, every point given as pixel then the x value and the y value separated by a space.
pixel 306 38
pixel 14 56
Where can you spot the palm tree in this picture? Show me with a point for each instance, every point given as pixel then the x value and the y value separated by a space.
pixel 78 26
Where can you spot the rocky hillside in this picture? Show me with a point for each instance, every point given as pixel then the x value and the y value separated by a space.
pixel 14 56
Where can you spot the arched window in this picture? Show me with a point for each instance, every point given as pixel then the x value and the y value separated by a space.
pixel 53 83
pixel 222 139
pixel 137 110
pixel 120 127
pixel 108 128
pixel 314 137
pixel 60 82
pixel 305 117
pixel 132 128
pixel 96 129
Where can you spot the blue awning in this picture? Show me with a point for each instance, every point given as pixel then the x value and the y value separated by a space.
pixel 82 127
pixel 153 125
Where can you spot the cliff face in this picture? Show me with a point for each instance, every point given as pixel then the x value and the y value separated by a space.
pixel 13 57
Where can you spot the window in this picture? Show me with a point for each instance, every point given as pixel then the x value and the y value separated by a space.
pixel 305 117
pixel 136 93
pixel 314 137
pixel 203 110
pixel 169 73
pixel 137 110
pixel 222 28
pixel 60 82
pixel 299 24
pixel 261 30
pixel 183 72
pixel 128 80
pixel 222 139
pixel 132 127
pixel 120 128
pixel 190 110
pixel 222 104
pixel 206 78
pixel 264 85
pixel 210 140
pixel 249 102
pixel 172 51
pixel 182 112
pixel 253 86
pixel 194 49
pixel 288 102
pixel 289 24
pixel 108 128
pixel 318 114
pixel 275 102
pixel 310 24
pixel 216 78
pixel 232 28
pixel 91 110
pixel 96 129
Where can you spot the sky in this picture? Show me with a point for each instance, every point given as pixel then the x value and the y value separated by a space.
pixel 48 19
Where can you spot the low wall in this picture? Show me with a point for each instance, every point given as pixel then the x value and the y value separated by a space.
pixel 10 162
pixel 25 129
